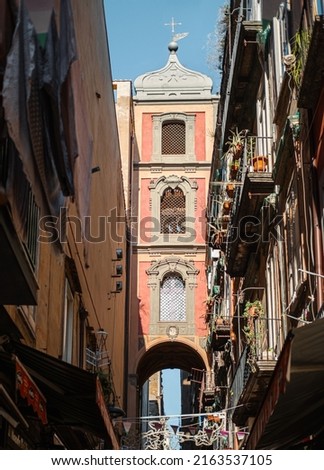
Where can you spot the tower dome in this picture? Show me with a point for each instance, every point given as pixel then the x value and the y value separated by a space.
pixel 173 82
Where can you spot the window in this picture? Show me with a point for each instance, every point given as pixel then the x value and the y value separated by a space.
pixel 172 298
pixel 320 7
pixel 173 135
pixel 173 211
pixel 281 45
pixel 67 324
pixel 174 204
pixel 172 282
pixel 173 138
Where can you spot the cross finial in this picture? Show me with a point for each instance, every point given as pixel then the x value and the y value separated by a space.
pixel 172 24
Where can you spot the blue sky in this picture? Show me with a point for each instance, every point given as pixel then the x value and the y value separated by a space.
pixel 138 38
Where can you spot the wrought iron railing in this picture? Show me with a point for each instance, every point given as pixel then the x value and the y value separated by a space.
pixel 27 209
pixel 263 346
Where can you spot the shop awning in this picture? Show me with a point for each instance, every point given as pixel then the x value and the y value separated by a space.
pixel 74 398
pixel 293 407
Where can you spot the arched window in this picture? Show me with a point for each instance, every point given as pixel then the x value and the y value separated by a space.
pixel 172 298
pixel 173 138
pixel 173 211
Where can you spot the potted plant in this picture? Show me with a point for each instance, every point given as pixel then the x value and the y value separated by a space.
pixel 260 163
pixel 225 221
pixel 235 143
pixel 226 206
pixel 234 166
pixel 230 190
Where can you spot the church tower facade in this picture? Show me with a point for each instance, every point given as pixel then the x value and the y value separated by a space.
pixel 174 118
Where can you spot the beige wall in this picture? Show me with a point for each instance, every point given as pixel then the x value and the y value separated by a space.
pixel 42 326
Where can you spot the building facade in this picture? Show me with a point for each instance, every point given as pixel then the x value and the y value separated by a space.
pixel 265 236
pixel 174 116
pixel 63 248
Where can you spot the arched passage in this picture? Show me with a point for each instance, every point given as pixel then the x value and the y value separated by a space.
pixel 168 355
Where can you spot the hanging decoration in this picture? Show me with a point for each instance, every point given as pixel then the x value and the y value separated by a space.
pixel 161 435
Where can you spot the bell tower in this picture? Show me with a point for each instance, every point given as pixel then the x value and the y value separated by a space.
pixel 174 118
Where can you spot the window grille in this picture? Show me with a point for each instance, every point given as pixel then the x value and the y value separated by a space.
pixel 173 138
pixel 173 211
pixel 172 299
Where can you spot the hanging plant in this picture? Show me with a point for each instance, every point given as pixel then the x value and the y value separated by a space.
pixel 300 46
pixel 253 311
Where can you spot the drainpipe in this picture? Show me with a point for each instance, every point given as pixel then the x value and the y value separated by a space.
pixel 283 283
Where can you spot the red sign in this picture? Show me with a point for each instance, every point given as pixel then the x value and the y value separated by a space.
pixel 30 392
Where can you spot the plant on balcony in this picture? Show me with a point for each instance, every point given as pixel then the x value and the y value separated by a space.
pixel 209 303
pixel 230 190
pixel 107 386
pixel 225 221
pixel 234 166
pixel 253 336
pixel 260 163
pixel 235 144
pixel 227 203
pixel 300 46
pixel 253 309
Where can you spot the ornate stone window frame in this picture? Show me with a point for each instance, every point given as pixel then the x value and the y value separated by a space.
pixel 158 121
pixel 189 188
pixel 156 274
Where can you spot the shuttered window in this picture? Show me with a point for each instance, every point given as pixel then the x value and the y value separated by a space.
pixel 173 211
pixel 173 138
pixel 172 299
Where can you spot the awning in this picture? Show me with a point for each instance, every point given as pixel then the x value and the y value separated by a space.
pixel 293 407
pixel 74 398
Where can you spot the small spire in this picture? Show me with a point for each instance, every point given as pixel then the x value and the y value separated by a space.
pixel 172 24
pixel 173 46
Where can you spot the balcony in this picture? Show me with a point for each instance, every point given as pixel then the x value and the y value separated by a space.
pixel 255 369
pixel 245 70
pixel 255 183
pixel 207 390
pixel 312 79
pixel 219 333
pixel 18 252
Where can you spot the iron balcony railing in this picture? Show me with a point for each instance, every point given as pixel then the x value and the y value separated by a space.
pixel 26 209
pixel 263 346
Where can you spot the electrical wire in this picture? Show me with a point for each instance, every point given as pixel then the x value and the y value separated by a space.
pixel 182 416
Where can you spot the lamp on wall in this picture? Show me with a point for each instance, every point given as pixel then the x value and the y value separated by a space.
pixel 118 271
pixel 119 254
pixel 119 287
